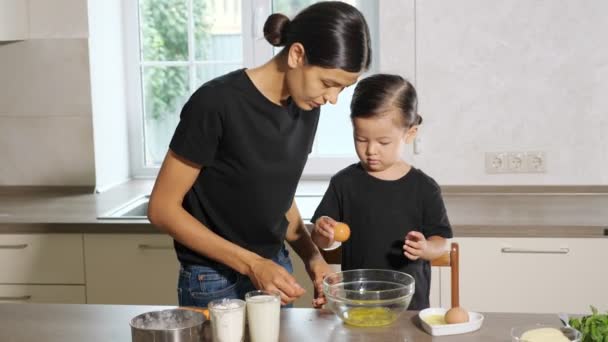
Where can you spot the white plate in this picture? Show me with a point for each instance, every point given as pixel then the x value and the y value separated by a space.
pixel 474 323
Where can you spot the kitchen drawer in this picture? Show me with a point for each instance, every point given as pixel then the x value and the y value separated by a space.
pixel 41 259
pixel 130 269
pixel 545 275
pixel 67 294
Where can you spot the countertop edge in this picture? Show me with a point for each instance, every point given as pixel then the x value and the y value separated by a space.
pixel 498 231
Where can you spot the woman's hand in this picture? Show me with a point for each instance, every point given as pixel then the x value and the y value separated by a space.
pixel 266 275
pixel 317 269
pixel 323 233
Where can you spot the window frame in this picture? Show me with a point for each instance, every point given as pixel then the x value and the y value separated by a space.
pixel 256 51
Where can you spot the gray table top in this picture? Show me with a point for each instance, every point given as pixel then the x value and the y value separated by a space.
pixel 104 323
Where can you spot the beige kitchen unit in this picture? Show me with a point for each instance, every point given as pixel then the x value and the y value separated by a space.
pixel 14 20
pixel 63 294
pixel 130 269
pixel 42 268
pixel 541 275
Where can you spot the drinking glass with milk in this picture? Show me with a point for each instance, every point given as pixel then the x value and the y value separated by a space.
pixel 227 320
pixel 263 315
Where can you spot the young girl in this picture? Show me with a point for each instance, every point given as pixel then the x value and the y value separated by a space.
pixel 226 187
pixel 396 214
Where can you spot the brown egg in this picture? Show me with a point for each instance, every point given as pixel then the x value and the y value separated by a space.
pixel 456 315
pixel 341 232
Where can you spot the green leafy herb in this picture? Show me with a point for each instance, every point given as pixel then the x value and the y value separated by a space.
pixel 593 327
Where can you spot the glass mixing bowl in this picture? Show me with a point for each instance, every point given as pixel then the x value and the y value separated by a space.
pixel 368 297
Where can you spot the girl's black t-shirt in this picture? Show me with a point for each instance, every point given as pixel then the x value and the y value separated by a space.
pixel 252 152
pixel 380 213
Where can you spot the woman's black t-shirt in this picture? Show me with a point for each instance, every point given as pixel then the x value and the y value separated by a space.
pixel 253 152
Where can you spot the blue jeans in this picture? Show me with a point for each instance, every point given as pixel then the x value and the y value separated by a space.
pixel 198 285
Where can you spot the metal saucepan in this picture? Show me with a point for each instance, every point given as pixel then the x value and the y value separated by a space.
pixel 172 325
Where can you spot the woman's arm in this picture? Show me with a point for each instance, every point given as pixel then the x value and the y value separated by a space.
pixel 165 211
pixel 299 239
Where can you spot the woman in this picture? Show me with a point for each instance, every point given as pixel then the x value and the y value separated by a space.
pixel 225 191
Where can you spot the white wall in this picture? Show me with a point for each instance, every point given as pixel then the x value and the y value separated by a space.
pixel 505 76
pixel 397 35
pixel 492 76
pixel 45 101
pixel 65 79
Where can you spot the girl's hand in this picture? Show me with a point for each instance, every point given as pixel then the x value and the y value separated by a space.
pixel 323 233
pixel 415 246
pixel 266 275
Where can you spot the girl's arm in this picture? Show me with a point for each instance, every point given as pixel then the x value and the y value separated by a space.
pixel 418 247
pixel 324 218
pixel 323 232
pixel 165 211
pixel 430 243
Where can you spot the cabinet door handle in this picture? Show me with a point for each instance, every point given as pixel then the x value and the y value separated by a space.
pixel 26 297
pixel 19 246
pixel 148 246
pixel 534 251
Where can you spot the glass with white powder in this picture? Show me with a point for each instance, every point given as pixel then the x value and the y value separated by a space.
pixel 263 315
pixel 227 320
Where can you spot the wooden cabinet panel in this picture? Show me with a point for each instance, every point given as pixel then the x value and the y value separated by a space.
pixel 41 259
pixel 131 269
pixel 65 294
pixel 545 275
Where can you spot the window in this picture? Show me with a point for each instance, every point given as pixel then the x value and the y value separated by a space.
pixel 174 46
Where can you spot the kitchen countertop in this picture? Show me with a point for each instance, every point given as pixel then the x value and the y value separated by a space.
pixel 103 323
pixel 483 211
pixel 70 209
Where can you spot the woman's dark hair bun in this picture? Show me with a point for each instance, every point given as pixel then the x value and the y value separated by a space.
pixel 274 29
pixel 334 35
pixel 418 120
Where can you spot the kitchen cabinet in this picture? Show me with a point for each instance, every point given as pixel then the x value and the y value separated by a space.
pixel 14 20
pixel 542 275
pixel 42 268
pixel 130 269
pixel 435 299
pixel 41 259
pixel 65 294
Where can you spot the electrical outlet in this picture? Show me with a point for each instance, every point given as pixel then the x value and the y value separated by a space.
pixel 496 162
pixel 536 162
pixel 516 162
